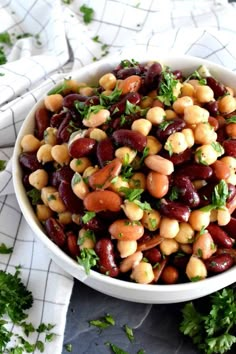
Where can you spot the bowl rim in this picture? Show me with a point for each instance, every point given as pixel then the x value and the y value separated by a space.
pixel 34 224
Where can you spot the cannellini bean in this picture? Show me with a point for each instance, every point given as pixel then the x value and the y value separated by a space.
pixel 196 269
pixel 131 261
pixel 142 273
pixel 159 164
pixel 126 248
pixel 30 143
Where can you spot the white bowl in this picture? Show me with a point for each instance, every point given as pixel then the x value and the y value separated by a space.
pixel 114 287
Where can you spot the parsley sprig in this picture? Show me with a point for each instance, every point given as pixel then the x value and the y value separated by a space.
pixel 88 259
pixel 167 86
pixel 219 197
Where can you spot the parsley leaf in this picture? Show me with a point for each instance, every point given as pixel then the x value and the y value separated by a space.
pixel 106 100
pixel 131 194
pixel 5 38
pixel 88 216
pixel 230 120
pixel 129 332
pixel 168 83
pixel 2 165
pixel 143 205
pixel 88 259
pixel 59 89
pixel 68 348
pixel 35 195
pixel 104 322
pixel 4 249
pixel 3 58
pixel 87 12
pixel 116 349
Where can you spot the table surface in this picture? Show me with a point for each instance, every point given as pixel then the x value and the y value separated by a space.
pixel 155 327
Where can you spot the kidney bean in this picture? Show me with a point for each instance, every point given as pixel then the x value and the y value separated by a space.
pixel 214 123
pixel 174 210
pixel 221 135
pixel 131 138
pixel 42 120
pixel 69 100
pixel 92 101
pixel 28 161
pixel 103 177
pixel 72 203
pixel 195 171
pixel 232 192
pixel 170 275
pixel 25 181
pixel 63 133
pixel 218 88
pixel 181 261
pixel 95 224
pixel 117 123
pixel 178 74
pixel 219 263
pixel 219 236
pixel 57 119
pixel 177 159
pixel 221 170
pixel 153 255
pixel 148 242
pixel 230 147
pixel 152 77
pixel 176 126
pixel 230 228
pixel 119 108
pixel 102 200
pixel 72 244
pixel 187 192
pixel 82 147
pixel 125 72
pixel 212 108
pixel 55 232
pixel 105 250
pixel 105 151
pixel 205 194
pixel 126 230
pixel 231 205
pixel 64 173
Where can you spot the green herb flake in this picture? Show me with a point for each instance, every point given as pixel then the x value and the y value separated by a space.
pixel 103 322
pixel 88 216
pixel 163 125
pixel 115 349
pixel 88 259
pixel 131 194
pixel 143 205
pixel 129 333
pixel 87 12
pixel 174 193
pixel 68 348
pixel 169 148
pixel 197 278
pixel 3 58
pixel 217 147
pixel 5 38
pixel 108 100
pixel 2 165
pixel 60 88
pixel 4 249
pixel 35 196
pixel 168 83
pixel 230 120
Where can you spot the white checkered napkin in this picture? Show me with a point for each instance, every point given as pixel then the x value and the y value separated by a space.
pixel 63 43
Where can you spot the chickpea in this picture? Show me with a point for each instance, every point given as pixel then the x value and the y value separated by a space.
pixel 196 269
pixel 204 134
pixel 97 134
pixel 223 216
pixel 86 239
pixel 206 154
pixel 138 180
pixel 156 115
pixel 185 234
pixel 44 153
pixel 80 165
pixel 86 91
pixel 108 81
pixel 132 210
pixel 186 248
pixel 146 102
pixel 226 104
pixel 231 130
pixel 60 154
pixel 117 184
pixel 30 143
pixel 89 171
pixel 38 179
pixel 189 137
pixel 142 126
pixel 170 114
pixel 195 114
pixel 169 246
pixel 50 136
pixel 55 202
pixel 199 219
pixel 126 248
pixel 65 217
pixel 181 103
pixel 125 154
pixel 187 90
pixel 153 145
pixel 230 162
pixel 43 212
pixel 204 94
pixel 194 83
pixel 230 90
pixel 231 179
pixel 72 86
pixel 131 261
pixel 79 187
pixel 169 228
pixel 54 102
pixel 151 219
pixel 142 273
pixel 203 246
pixel 213 216
pixel 176 143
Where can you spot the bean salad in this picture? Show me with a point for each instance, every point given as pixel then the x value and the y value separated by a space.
pixel 134 177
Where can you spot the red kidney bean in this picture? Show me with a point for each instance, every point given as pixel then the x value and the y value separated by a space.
pixel 131 138
pixel 95 224
pixel 178 74
pixel 63 133
pixel 221 135
pixel 177 159
pixel 174 210
pixel 219 236
pixel 118 123
pixel 212 108
pixel 71 201
pixel 105 151
pixel 214 123
pixel 205 194
pixel 219 263
pixel 119 108
pixel 72 244
pixel 230 228
pixel 105 250
pixel 158 270
pixel 195 171
pixel 177 125
pixel 28 161
pixel 187 192
pixel 55 232
pixel 230 147
pixel 181 261
pixel 57 119
pixel 92 101
pixel 69 100
pixel 152 76
pixel 218 88
pixel 25 181
pixel 124 73
pixel 42 120
pixel 64 173
pixel 232 192
pixel 153 255
pixel 82 147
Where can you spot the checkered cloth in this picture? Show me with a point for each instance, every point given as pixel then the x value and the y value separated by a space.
pixel 60 43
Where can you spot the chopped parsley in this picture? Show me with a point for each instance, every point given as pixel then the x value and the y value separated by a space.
pixel 230 120
pixel 88 216
pixel 104 322
pixel 131 194
pixel 143 205
pixel 88 259
pixel 116 349
pixel 163 125
pixel 5 38
pixel 60 88
pixel 87 12
pixel 68 348
pixel 129 63
pixel 107 100
pixel 2 165
pixel 174 193
pixel 35 196
pixel 129 332
pixel 4 249
pixel 3 58
pixel 168 83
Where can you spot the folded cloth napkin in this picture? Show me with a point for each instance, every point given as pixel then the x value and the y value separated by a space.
pixel 48 41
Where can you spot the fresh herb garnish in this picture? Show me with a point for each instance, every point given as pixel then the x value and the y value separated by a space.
pixel 163 125
pixel 88 216
pixel 35 195
pixel 131 194
pixel 4 249
pixel 116 349
pixel 131 108
pixel 143 205
pixel 144 154
pixel 2 165
pixel 230 120
pixel 217 147
pixel 129 332
pixel 5 38
pixel 104 322
pixel 59 89
pixel 129 63
pixel 174 193
pixel 87 234
pixel 107 100
pixel 68 348
pixel 167 86
pixel 87 12
pixel 88 259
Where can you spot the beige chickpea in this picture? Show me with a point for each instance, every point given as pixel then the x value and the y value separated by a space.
pixel 169 246
pixel 80 165
pixel 30 143
pixel 94 120
pixel 203 246
pixel 230 162
pixel 72 86
pixel 65 217
pixel 151 219
pixel 169 228
pixel 146 102
pixel 79 187
pixel 97 134
pixel 131 261
pixel 50 136
pixel 142 273
pixel 142 126
pixel 213 215
pixel 38 179
pixel 86 91
pixel 153 145
pixel 86 239
pixel 230 90
pixel 108 81
pixel 125 154
pixel 138 180
pixel 181 103
pixel 54 102
pixel 76 218
pixel 170 114
pixel 199 219
pixel 156 115
pixel 189 136
pixel 223 216
pixel 204 93
pixel 193 82
pixel 55 202
pixel 206 154
pixel 43 212
pixel 117 184
pixel 185 234
pixel 176 143
pixel 45 191
pixel 132 210
pixel 187 90
pixel 44 153
pixel 126 248
pixel 60 154
pixel 195 114
pixel 226 104
pixel 204 134
pixel 196 269
pixel 231 179
pixel 89 171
